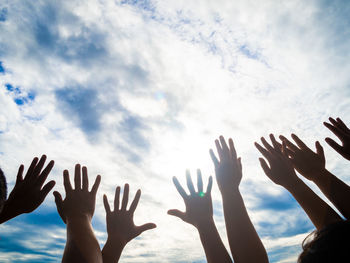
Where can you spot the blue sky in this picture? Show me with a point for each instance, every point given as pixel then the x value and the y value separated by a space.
pixel 138 90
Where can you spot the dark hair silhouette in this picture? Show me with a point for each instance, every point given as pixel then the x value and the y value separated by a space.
pixel 3 189
pixel 330 244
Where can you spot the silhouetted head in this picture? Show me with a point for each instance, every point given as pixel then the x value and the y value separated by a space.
pixel 3 189
pixel 331 244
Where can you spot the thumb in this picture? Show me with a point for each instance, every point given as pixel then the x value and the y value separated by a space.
pixel 177 213
pixel 59 205
pixel 145 227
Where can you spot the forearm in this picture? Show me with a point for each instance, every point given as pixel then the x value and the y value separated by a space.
pixel 80 236
pixel 245 243
pixel 112 251
pixel 319 212
pixel 335 190
pixel 214 248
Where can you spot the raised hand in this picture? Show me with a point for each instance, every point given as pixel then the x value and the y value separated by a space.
pixel 120 222
pixel 199 213
pixel 343 133
pixel 79 202
pixel 199 207
pixel 241 233
pixel 28 192
pixel 77 210
pixel 281 170
pixel 308 163
pixel 228 168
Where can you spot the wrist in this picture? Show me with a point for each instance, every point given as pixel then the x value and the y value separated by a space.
pixel 205 225
pixel 229 191
pixel 294 185
pixel 321 175
pixel 115 242
pixel 230 194
pixel 8 212
pixel 318 175
pixel 78 218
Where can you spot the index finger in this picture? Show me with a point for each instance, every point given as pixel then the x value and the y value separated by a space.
pixel 179 188
pixel 66 181
pixel 213 158
pixel 96 185
pixel 135 201
pixel 106 204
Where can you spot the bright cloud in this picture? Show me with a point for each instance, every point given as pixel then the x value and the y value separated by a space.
pixel 139 90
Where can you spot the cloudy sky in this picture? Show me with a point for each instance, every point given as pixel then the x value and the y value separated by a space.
pixel 138 90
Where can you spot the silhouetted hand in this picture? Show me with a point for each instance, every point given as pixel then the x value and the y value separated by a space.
pixel 343 133
pixel 308 163
pixel 120 222
pixel 79 202
pixel 28 192
pixel 281 170
pixel 199 207
pixel 229 169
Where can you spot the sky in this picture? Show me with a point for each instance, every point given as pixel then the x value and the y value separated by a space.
pixel 139 90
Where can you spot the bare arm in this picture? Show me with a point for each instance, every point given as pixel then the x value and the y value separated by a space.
pixel 77 210
pixel 312 165
pixel 244 241
pixel 281 172
pixel 199 213
pixel 120 225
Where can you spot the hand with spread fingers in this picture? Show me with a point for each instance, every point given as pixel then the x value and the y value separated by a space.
pixel 199 213
pixel 343 133
pixel 281 172
pixel 228 168
pixel 79 202
pixel 77 210
pixel 241 233
pixel 28 192
pixel 120 224
pixel 199 207
pixel 308 163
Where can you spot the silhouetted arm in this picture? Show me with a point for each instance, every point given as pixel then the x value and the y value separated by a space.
pixel 77 210
pixel 244 241
pixel 312 165
pixel 281 172
pixel 199 213
pixel 120 225
pixel 28 192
